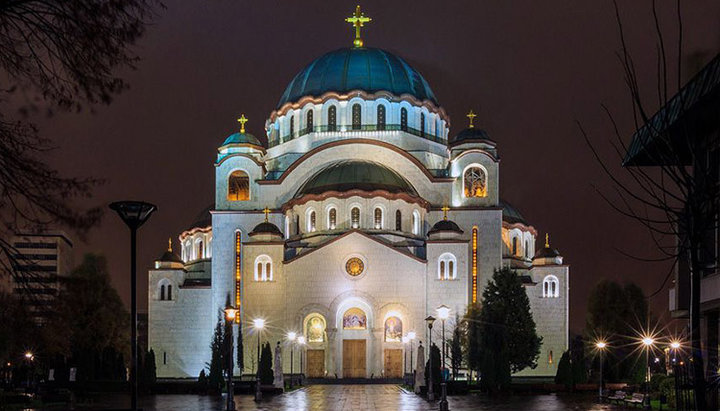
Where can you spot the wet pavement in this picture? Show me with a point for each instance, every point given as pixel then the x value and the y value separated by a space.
pixel 357 397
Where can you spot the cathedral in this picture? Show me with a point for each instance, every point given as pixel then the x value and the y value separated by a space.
pixel 361 216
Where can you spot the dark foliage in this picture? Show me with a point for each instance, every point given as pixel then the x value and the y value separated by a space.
pixel 472 336
pixel 202 382
pixel 564 374
pixel 215 374
pixel 265 368
pixel 456 353
pixel 436 376
pixel 148 376
pixel 240 355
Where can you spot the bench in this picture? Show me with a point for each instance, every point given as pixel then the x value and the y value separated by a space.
pixel 619 396
pixel 636 399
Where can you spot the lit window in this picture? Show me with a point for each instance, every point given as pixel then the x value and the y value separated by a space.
pixel 332 118
pixel 551 287
pixel 309 122
pixel 311 221
pixel 527 249
pixel 378 218
pixel 398 220
pixel 355 217
pixel 263 268
pixel 381 117
pixel 332 218
pixel 356 117
pixel 447 269
pixel 514 246
pixel 475 182
pixel 238 186
pixel 416 222
pixel 550 357
pixel 200 254
pixel 403 119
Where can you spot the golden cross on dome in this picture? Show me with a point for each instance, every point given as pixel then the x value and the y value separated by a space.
pixel 358 20
pixel 471 116
pixel 445 210
pixel 547 240
pixel 170 245
pixel 242 120
pixel 267 213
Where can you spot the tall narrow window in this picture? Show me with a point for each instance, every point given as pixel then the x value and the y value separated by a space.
pixel 398 220
pixel 475 182
pixel 514 246
pixel 164 357
pixel 441 273
pixel 403 119
pixel 355 217
pixel 297 224
pixel 416 222
pixel 332 218
pixel 162 292
pixel 169 292
pixel 527 249
pixel 311 221
pixel 332 118
pixel 356 117
pixel 381 117
pixel 422 124
pixel 238 186
pixel 200 254
pixel 378 218
pixel 309 122
pixel 292 127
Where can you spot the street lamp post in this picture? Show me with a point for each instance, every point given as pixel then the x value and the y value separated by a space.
pixel 648 343
pixel 301 342
pixel 675 345
pixel 601 346
pixel 230 315
pixel 431 395
pixel 259 324
pixel 443 313
pixel 134 214
pixel 291 337
pixel 30 357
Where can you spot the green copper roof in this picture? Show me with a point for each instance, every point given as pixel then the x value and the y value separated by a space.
pixel 242 138
pixel 356 175
pixel 348 69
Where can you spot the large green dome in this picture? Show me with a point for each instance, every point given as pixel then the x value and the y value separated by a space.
pixel 348 69
pixel 356 175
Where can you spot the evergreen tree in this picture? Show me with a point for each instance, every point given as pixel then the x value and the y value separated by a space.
pixel 202 382
pixel 215 375
pixel 265 366
pixel 436 359
pixel 508 339
pixel 564 374
pixel 456 348
pixel 577 354
pixel 472 336
pixel 150 369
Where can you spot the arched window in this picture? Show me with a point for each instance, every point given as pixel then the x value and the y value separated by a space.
pixel 514 246
pixel 311 221
pixel 393 329
pixel 551 287
pixel 332 118
pixel 416 222
pixel 287 226
pixel 263 268
pixel 309 122
pixel 356 117
pixel 398 220
pixel 162 292
pixel 332 218
pixel 550 357
pixel 315 329
pixel 378 218
pixel 355 217
pixel 447 267
pixel 422 124
pixel 475 182
pixel 527 249
pixel 403 119
pixel 238 186
pixel 200 254
pixel 169 292
pixel 292 127
pixel 381 117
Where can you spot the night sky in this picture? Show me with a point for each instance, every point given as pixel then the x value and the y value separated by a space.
pixel 530 68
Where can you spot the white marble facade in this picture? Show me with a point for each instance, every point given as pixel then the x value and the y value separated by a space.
pixel 356 199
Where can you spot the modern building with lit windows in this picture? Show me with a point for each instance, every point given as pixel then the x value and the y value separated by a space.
pixel 361 215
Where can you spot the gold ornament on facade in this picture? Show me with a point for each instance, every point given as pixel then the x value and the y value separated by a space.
pixel 354 266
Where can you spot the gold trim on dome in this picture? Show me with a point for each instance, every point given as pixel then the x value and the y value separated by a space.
pixel 354 266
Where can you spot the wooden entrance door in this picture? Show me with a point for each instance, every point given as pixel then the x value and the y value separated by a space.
pixel 393 363
pixel 354 359
pixel 315 363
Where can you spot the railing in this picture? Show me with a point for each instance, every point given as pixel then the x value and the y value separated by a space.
pixel 351 128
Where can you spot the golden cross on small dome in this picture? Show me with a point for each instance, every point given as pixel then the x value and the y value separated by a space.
pixel 445 210
pixel 170 245
pixel 267 213
pixel 242 120
pixel 358 20
pixel 547 240
pixel 471 115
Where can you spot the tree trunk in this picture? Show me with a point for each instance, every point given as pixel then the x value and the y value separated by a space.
pixel 695 335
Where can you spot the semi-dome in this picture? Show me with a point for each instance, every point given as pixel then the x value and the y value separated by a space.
pixel 242 138
pixel 356 175
pixel 348 69
pixel 470 134
pixel 445 225
pixel 266 227
pixel 511 214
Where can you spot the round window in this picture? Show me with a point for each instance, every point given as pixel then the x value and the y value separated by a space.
pixel 354 266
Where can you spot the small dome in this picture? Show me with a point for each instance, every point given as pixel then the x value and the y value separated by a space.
pixel 356 175
pixel 203 219
pixel 445 225
pixel 266 228
pixel 546 252
pixel 170 257
pixel 511 214
pixel 242 138
pixel 470 134
pixel 348 69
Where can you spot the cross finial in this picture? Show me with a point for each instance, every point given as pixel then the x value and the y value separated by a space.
pixel 471 115
pixel 242 120
pixel 445 210
pixel 547 240
pixel 267 213
pixel 358 20
pixel 170 245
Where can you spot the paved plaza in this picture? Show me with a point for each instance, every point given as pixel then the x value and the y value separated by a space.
pixel 360 397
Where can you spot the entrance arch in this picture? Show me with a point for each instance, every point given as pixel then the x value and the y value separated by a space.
pixel 354 321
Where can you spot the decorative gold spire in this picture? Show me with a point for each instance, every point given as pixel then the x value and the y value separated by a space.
pixel 471 115
pixel 547 240
pixel 358 20
pixel 170 245
pixel 242 120
pixel 445 210
pixel 267 213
